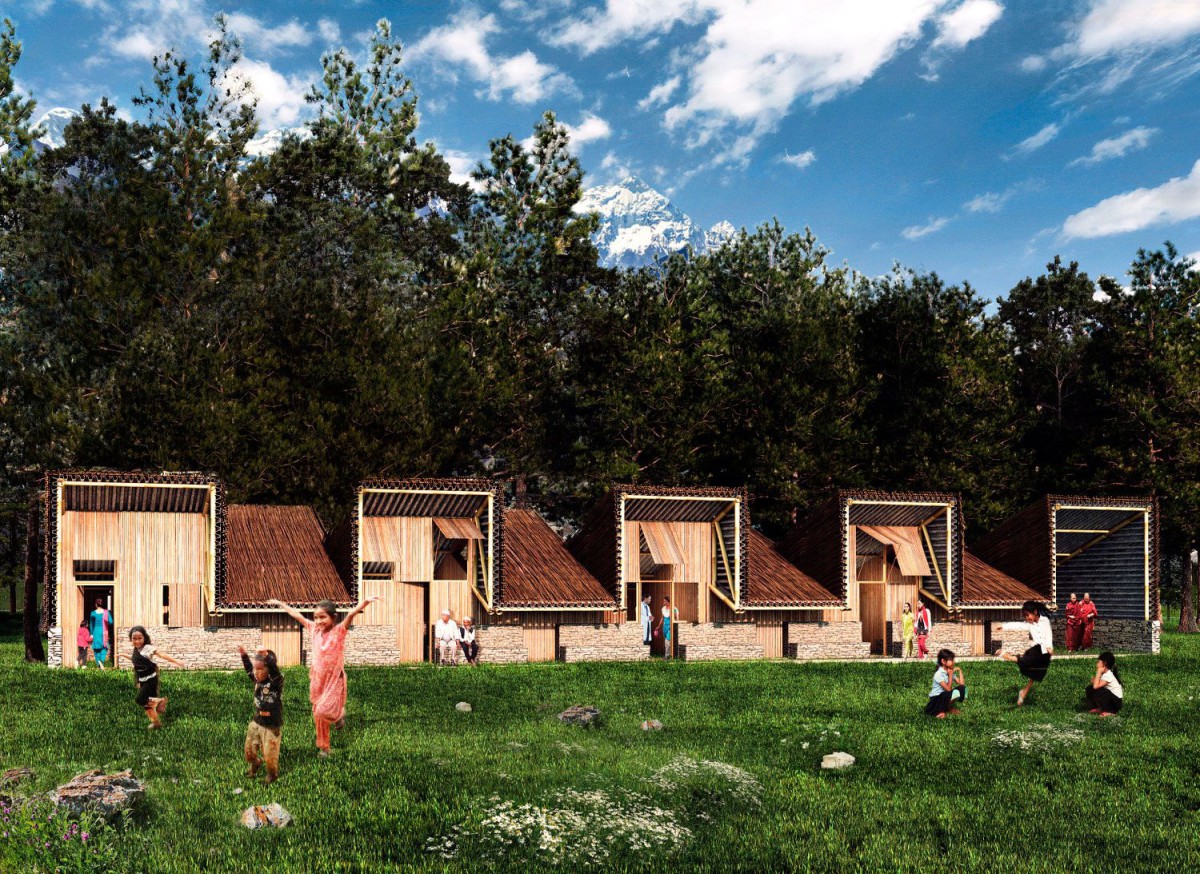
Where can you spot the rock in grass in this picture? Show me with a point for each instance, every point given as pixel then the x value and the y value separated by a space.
pixel 266 816
pixel 837 761
pixel 107 795
pixel 463 707
pixel 651 725
pixel 13 776
pixel 581 714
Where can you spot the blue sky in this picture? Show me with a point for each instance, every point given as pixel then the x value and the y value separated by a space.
pixel 976 138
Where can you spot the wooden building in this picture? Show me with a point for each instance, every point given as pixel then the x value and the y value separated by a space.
pixel 162 550
pixel 1107 547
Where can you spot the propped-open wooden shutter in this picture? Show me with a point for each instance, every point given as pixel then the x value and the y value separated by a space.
pixel 662 543
pixel 458 528
pixel 910 554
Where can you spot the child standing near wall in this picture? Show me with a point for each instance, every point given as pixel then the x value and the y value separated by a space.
pixel 949 687
pixel 327 673
pixel 1035 661
pixel 83 643
pixel 145 671
pixel 1105 693
pixel 909 630
pixel 266 726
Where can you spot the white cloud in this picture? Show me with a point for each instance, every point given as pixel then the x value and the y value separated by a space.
pixel 1117 147
pixel 756 58
pixel 258 36
pixel 799 161
pixel 139 44
pixel 1176 200
pixel 463 42
pixel 1195 257
pixel 1039 139
pixel 329 30
pixel 280 98
pixel 991 201
pixel 1114 26
pixel 967 22
pixel 1033 64
pixel 915 232
pixel 461 165
pixel 660 93
pixel 589 130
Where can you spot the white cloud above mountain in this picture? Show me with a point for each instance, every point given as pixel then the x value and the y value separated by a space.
pixel 1117 147
pixel 462 44
pixel 1173 201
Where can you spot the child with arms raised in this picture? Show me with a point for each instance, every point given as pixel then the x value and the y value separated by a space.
pixel 266 726
pixel 949 687
pixel 145 671
pixel 327 673
pixel 1035 661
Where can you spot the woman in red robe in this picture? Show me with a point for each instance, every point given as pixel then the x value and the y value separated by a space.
pixel 1074 624
pixel 1087 614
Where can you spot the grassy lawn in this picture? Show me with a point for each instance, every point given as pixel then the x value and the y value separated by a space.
pixel 1043 788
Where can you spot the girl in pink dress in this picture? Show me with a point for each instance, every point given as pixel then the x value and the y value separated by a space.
pixel 326 674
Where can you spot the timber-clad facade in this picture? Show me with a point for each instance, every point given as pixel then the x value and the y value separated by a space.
pixel 164 550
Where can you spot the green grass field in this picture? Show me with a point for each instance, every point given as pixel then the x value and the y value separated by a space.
pixel 1043 788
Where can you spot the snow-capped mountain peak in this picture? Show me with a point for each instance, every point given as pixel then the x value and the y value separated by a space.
pixel 639 225
pixel 53 123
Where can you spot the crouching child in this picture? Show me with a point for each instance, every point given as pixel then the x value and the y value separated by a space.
pixel 265 728
pixel 949 687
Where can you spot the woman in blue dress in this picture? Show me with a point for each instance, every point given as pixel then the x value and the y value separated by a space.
pixel 99 623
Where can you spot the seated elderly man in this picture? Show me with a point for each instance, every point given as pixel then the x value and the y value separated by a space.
pixel 467 642
pixel 445 639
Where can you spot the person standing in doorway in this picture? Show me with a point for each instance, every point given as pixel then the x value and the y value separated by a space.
pixel 647 621
pixel 669 614
pixel 924 624
pixel 99 624
pixel 908 628
pixel 1088 613
pixel 1074 623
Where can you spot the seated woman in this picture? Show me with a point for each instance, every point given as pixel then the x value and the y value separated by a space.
pixel 1105 693
pixel 467 642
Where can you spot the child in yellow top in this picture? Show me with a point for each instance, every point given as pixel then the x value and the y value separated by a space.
pixel 908 621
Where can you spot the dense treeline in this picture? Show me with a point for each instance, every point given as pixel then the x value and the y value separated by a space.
pixel 341 308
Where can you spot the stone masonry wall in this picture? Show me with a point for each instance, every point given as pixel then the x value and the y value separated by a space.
pixel 1118 635
pixel 365 645
pixel 197 647
pixel 826 640
pixel 943 635
pixel 602 643
pixel 54 654
pixel 502 644
pixel 719 640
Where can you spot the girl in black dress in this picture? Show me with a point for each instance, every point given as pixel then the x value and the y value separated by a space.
pixel 1035 661
pixel 145 672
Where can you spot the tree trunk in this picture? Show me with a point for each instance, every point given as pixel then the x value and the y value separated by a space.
pixel 1187 597
pixel 34 651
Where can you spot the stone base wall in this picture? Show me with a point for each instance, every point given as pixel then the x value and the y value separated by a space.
pixel 943 635
pixel 365 645
pixel 197 647
pixel 826 640
pixel 54 655
pixel 502 644
pixel 728 641
pixel 619 642
pixel 1118 635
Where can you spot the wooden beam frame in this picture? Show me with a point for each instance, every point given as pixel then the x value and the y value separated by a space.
pixel 921 590
pixel 1067 556
pixel 936 568
pixel 210 574
pixel 725 559
pixel 732 606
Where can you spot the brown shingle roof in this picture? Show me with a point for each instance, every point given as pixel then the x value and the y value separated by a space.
pixel 277 552
pixel 772 581
pixel 538 571
pixel 985 586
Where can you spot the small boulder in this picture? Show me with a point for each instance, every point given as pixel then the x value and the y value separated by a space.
pixel 581 714
pixel 266 816
pixel 837 761
pixel 13 776
pixel 651 725
pixel 463 707
pixel 107 795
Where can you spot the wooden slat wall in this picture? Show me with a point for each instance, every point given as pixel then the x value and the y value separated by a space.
pixel 900 589
pixel 850 614
pixel 283 635
pixel 770 633
pixel 631 570
pixel 407 542
pixel 452 595
pixel 410 619
pixel 541 635
pixel 186 605
pixel 691 607
pixel 696 541
pixel 150 550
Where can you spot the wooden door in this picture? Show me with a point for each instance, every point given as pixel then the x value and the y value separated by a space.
pixel 873 612
pixel 412 627
pixel 282 636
